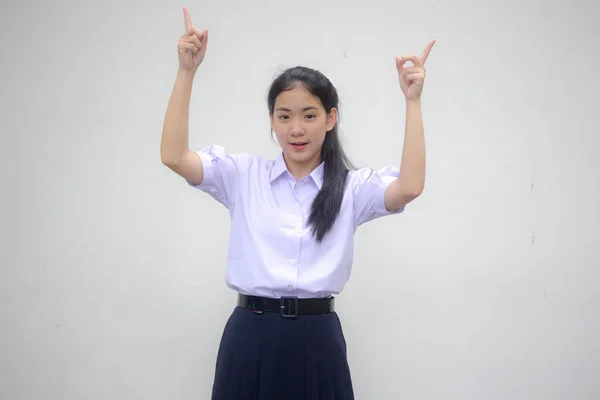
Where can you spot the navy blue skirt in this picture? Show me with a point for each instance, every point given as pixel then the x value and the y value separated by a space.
pixel 266 357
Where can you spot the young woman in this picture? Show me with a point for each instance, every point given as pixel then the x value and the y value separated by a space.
pixel 292 226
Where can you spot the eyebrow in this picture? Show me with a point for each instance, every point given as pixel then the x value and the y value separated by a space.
pixel 304 109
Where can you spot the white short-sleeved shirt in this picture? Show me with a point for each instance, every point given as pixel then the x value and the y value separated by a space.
pixel 272 252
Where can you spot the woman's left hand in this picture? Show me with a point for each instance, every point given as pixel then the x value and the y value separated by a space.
pixel 412 77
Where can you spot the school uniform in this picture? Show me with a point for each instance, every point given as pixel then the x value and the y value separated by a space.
pixel 284 339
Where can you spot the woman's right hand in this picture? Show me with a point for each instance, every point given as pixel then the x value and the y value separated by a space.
pixel 192 45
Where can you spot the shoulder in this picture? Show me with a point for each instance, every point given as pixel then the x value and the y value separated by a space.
pixel 361 177
pixel 243 162
pixel 368 188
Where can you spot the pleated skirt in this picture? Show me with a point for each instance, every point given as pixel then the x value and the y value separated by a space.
pixel 266 357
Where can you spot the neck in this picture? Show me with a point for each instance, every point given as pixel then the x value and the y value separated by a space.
pixel 301 169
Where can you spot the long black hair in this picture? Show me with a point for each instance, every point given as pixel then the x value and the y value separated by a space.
pixel 326 205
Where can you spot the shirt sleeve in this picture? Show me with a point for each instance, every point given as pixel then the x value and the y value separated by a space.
pixel 221 174
pixel 368 188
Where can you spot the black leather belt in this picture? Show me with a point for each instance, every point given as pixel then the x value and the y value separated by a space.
pixel 287 306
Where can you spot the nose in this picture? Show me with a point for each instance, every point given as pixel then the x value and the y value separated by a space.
pixel 296 129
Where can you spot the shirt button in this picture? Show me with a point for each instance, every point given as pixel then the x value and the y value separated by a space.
pixel 292 262
pixel 290 287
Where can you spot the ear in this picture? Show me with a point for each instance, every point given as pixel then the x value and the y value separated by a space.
pixel 332 119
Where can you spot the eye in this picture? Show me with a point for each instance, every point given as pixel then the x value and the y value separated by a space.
pixel 283 117
pixel 311 116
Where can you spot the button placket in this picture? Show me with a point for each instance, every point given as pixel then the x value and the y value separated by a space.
pixel 297 229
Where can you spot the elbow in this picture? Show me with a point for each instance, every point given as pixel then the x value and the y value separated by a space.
pixel 165 160
pixel 169 158
pixel 398 196
pixel 409 187
pixel 410 194
pixel 170 162
pixel 414 192
pixel 411 191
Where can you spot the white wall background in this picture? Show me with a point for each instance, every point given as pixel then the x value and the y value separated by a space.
pixel 112 269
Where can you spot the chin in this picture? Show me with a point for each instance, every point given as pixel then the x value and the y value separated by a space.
pixel 300 157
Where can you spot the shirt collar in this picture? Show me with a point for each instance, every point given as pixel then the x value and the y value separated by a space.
pixel 279 168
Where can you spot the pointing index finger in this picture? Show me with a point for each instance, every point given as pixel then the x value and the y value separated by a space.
pixel 426 52
pixel 187 19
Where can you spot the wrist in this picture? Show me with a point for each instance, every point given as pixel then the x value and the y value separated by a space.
pixel 186 74
pixel 413 103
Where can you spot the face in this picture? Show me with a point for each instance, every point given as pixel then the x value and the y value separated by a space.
pixel 301 124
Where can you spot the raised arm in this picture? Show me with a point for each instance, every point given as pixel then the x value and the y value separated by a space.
pixel 174 147
pixel 411 180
